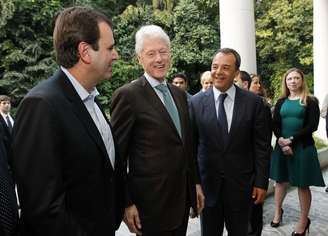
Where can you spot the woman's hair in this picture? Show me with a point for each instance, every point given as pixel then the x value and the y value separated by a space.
pixel 263 92
pixel 304 89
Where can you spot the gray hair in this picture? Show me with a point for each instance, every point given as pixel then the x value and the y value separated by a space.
pixel 150 31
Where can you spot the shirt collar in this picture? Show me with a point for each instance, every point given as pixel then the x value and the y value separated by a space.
pixel 231 92
pixel 153 82
pixel 82 92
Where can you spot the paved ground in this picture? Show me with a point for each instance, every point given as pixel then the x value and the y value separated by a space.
pixel 318 215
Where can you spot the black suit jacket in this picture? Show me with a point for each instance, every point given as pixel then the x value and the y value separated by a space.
pixel 6 134
pixel 66 183
pixel 7 188
pixel 244 161
pixel 162 170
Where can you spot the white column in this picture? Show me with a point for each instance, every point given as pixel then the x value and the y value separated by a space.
pixel 237 28
pixel 320 55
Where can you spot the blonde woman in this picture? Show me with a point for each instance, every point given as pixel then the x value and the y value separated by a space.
pixel 294 159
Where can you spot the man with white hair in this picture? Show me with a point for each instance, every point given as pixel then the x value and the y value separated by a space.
pixel 150 119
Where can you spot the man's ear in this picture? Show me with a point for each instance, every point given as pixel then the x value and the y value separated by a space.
pixel 84 52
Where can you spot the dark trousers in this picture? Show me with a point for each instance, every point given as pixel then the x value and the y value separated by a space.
pixel 255 223
pixel 179 231
pixel 230 210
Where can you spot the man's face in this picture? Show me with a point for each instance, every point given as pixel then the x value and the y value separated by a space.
pixel 5 107
pixel 241 84
pixel 103 58
pixel 180 82
pixel 155 58
pixel 223 71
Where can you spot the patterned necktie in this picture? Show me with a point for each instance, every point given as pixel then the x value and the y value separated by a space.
pixel 222 117
pixel 8 203
pixel 171 109
pixel 9 124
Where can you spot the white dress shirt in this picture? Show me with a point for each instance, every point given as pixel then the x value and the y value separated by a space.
pixel 96 114
pixel 229 102
pixel 10 118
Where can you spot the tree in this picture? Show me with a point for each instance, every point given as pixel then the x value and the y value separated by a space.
pixel 284 39
pixel 26 45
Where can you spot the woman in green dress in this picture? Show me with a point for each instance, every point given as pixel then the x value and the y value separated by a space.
pixel 294 159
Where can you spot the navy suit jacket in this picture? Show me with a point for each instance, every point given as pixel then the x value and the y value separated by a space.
pixel 66 183
pixel 244 160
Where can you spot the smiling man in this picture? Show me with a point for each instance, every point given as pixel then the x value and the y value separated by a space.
pixel 233 148
pixel 150 118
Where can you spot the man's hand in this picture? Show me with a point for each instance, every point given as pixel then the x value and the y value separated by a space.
pixel 200 199
pixel 132 220
pixel 258 195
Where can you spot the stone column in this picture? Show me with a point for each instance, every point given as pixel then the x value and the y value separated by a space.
pixel 237 28
pixel 320 55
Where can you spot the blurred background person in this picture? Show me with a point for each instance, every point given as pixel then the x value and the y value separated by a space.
pixel 206 80
pixel 256 211
pixel 256 86
pixel 6 120
pixel 180 80
pixel 243 80
pixel 294 159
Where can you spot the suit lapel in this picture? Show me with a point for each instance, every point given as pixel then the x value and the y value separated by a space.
pixel 237 115
pixel 210 112
pixel 157 104
pixel 5 126
pixel 82 113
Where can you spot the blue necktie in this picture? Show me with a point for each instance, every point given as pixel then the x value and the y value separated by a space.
pixel 222 117
pixel 171 109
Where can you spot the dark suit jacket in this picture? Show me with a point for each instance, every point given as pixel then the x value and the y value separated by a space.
pixel 244 161
pixel 66 183
pixel 6 134
pixel 161 165
pixel 6 187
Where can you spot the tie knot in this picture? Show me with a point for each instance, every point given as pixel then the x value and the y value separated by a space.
pixel 163 88
pixel 222 97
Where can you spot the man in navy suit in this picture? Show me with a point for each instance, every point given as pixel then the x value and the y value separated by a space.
pixel 233 148
pixel 65 161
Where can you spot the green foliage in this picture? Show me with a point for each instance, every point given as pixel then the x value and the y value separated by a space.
pixel 26 46
pixel 193 33
pixel 283 34
pixel 319 143
pixel 196 38
pixel 284 39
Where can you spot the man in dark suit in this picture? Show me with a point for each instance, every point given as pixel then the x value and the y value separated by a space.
pixel 6 121
pixel 233 148
pixel 65 162
pixel 150 119
pixel 8 202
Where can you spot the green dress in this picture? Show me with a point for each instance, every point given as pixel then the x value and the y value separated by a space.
pixel 301 169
